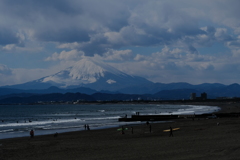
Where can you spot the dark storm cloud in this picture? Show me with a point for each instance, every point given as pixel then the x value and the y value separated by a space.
pixel 131 36
pixel 97 45
pixel 98 26
pixel 65 35
pixel 26 8
pixel 112 15
pixel 7 36
pixel 192 50
pixel 65 21
pixel 211 29
pixel 42 17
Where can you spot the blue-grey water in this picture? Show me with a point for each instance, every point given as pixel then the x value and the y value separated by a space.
pixel 18 120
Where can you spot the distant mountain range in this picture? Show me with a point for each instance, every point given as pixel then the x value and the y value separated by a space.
pixel 92 80
pixel 171 91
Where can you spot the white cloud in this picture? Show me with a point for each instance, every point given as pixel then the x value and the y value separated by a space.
pixel 11 76
pixel 121 55
pixel 169 66
pixel 4 70
pixel 139 57
pixel 72 55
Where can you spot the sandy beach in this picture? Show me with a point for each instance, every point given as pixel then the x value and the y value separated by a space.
pixel 199 139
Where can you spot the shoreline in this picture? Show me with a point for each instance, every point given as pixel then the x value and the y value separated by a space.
pixel 198 139
pixel 120 123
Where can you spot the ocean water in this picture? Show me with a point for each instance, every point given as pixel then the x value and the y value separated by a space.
pixel 18 120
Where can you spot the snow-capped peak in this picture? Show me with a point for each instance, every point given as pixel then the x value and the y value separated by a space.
pixel 89 67
pixel 85 71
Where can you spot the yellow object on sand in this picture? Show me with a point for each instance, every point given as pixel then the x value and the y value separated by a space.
pixel 168 130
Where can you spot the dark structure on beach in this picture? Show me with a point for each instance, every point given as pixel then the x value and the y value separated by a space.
pixel 173 117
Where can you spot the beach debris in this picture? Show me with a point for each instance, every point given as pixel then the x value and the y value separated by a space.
pixel 120 129
pixel 213 116
pixel 173 129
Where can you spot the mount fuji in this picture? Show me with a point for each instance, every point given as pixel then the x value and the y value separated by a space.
pixel 88 73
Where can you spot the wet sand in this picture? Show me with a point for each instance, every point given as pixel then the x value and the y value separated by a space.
pixel 199 139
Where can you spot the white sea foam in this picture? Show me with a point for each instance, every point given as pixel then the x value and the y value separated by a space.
pixel 7 130
pixel 197 110
pixel 103 118
pixel 34 123
pixel 54 128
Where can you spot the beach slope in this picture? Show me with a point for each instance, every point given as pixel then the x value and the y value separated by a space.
pixel 196 139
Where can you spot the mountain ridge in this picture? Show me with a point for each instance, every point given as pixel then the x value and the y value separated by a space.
pixel 63 95
pixel 170 91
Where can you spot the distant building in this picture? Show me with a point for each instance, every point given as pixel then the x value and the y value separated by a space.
pixel 220 98
pixel 204 96
pixel 194 97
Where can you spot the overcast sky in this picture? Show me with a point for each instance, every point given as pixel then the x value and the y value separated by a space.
pixel 194 41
